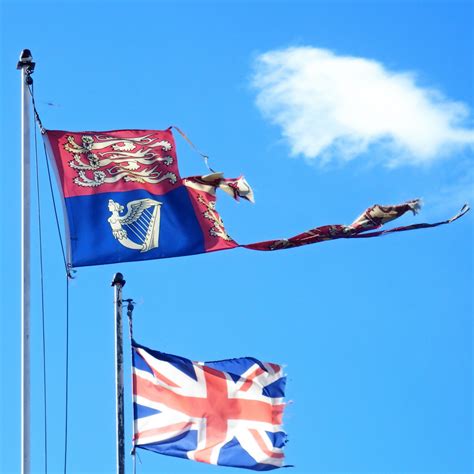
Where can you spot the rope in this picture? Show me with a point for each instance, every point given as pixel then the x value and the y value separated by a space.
pixel 58 227
pixel 40 235
pixel 68 270
pixel 66 394
pixel 43 131
pixel 35 110
pixel 130 308
pixel 194 147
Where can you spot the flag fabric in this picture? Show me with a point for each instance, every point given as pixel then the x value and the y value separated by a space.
pixel 226 412
pixel 126 201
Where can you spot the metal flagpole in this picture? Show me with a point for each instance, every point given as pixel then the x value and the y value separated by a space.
pixel 26 65
pixel 118 283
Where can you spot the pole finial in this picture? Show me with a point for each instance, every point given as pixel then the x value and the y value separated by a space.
pixel 26 60
pixel 118 280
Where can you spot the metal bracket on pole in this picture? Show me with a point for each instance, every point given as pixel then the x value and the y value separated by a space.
pixel 26 66
pixel 130 308
pixel 118 283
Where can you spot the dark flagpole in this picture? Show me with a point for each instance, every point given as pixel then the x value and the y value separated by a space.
pixel 26 66
pixel 118 283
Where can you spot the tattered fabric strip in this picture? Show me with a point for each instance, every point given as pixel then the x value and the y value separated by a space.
pixel 356 229
pixel 371 219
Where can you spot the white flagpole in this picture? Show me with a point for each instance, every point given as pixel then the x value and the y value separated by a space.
pixel 26 65
pixel 118 283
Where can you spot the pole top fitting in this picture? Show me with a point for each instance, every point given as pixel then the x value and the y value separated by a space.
pixel 118 280
pixel 26 60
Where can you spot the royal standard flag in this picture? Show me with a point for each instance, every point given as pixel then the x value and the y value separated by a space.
pixel 126 201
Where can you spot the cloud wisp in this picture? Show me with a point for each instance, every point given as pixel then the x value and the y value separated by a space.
pixel 338 107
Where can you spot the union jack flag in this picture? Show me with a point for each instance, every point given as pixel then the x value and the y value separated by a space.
pixel 227 412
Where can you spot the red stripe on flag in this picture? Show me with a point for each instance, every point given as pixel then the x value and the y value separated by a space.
pixel 249 382
pixel 166 429
pixel 261 443
pixel 158 375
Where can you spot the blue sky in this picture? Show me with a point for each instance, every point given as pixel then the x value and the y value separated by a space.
pixel 376 335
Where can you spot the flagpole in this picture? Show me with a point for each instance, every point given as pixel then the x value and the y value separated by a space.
pixel 26 65
pixel 118 283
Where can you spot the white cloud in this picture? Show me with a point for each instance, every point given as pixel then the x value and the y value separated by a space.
pixel 331 106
